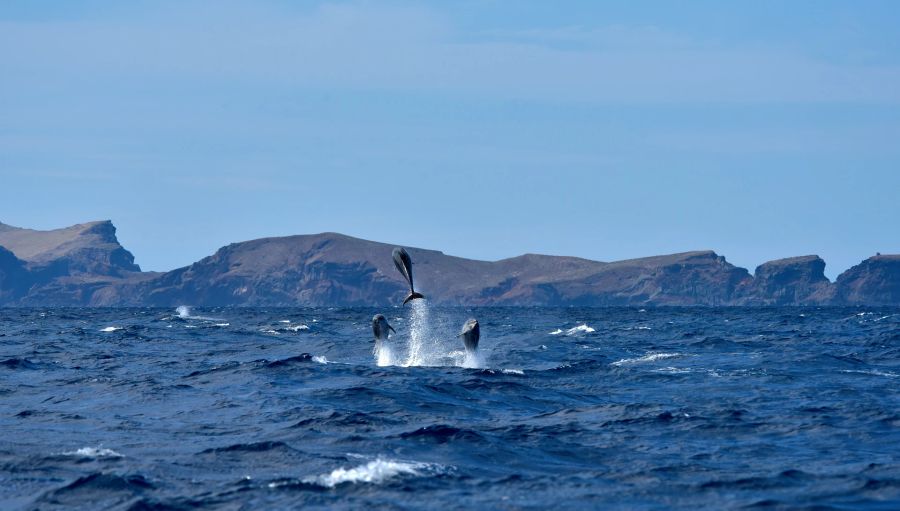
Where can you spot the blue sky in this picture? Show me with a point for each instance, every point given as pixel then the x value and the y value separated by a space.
pixel 485 129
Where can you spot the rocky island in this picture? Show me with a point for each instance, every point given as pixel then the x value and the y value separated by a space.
pixel 85 265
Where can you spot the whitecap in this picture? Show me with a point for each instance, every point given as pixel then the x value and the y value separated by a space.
pixel 650 357
pixel 673 370
pixel 285 321
pixel 872 372
pixel 513 371
pixel 94 452
pixel 222 324
pixel 556 332
pixel 111 329
pixel 580 329
pixel 373 472
pixel 320 359
pixel 296 328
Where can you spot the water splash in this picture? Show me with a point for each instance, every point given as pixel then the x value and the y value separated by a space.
pixel 183 311
pixel 424 348
pixel 384 354
pixel 473 360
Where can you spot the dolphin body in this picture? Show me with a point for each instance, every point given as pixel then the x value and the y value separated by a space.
pixel 404 265
pixel 470 334
pixel 380 328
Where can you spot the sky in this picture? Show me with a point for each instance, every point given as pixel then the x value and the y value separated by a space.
pixel 484 129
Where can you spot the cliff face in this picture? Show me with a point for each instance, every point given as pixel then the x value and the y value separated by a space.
pixel 792 281
pixel 66 266
pixel 90 249
pixel 875 281
pixel 329 269
pixel 85 265
pixel 14 277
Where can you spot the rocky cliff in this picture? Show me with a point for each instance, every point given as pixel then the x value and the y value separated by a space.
pixel 875 281
pixel 85 265
pixel 791 281
pixel 66 266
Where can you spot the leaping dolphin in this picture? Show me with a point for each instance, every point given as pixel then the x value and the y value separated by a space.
pixel 380 328
pixel 470 334
pixel 404 265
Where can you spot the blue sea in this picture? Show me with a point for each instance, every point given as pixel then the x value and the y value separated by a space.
pixel 562 408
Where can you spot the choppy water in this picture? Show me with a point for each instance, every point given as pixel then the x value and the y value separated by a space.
pixel 573 408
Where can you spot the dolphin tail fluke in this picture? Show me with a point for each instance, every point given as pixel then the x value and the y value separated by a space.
pixel 413 296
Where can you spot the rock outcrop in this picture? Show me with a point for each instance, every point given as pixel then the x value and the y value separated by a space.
pixel 90 249
pixel 14 277
pixel 85 265
pixel 791 281
pixel 875 281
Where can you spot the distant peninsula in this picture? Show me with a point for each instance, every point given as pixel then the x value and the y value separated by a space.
pixel 85 265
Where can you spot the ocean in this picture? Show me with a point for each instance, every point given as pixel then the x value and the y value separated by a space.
pixel 562 408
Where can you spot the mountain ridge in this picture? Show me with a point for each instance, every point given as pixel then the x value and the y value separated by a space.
pixel 85 265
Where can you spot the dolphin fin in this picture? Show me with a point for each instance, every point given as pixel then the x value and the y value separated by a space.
pixel 412 296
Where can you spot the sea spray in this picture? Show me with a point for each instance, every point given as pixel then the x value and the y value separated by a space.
pixel 473 360
pixel 424 348
pixel 384 354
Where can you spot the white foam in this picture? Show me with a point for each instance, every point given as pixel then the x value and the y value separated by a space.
pixel 556 332
pixel 513 371
pixel 384 354
pixel 643 328
pixel 111 329
pixel 424 346
pixel 184 312
pixel 650 357
pixel 472 360
pixel 873 372
pixel 580 329
pixel 373 472
pixel 285 321
pixel 222 324
pixel 320 359
pixel 673 370
pixel 297 328
pixel 94 452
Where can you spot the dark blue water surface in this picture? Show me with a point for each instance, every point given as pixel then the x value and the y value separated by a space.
pixel 286 408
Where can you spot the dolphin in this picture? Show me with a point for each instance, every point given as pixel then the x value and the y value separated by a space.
pixel 404 266
pixel 380 328
pixel 471 333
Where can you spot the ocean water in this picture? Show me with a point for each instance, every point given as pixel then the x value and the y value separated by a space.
pixel 565 408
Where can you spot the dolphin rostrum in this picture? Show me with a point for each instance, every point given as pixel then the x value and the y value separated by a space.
pixel 471 333
pixel 404 266
pixel 380 328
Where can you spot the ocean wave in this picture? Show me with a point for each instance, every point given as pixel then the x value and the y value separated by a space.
pixel 249 447
pixel 576 330
pixel 650 357
pixel 302 358
pixel 111 329
pixel 18 363
pixel 373 472
pixel 94 452
pixel 442 433
pixel 872 372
